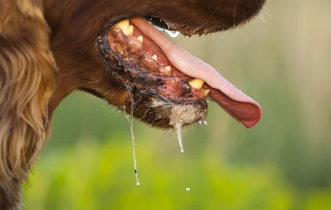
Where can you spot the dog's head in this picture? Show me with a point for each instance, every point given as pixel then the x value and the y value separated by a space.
pixel 115 50
pixel 112 49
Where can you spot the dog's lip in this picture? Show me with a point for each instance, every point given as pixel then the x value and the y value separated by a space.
pixel 236 103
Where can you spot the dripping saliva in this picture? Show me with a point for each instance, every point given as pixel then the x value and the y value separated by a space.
pixel 127 116
pixel 172 34
pixel 132 137
pixel 178 128
pixel 204 122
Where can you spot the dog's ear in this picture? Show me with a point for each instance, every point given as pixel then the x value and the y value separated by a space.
pixel 27 78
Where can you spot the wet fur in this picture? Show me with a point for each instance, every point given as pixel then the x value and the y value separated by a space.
pixel 34 33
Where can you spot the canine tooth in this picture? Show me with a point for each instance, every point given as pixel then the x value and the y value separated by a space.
pixel 206 92
pixel 168 68
pixel 140 39
pixel 124 25
pixel 154 57
pixel 196 83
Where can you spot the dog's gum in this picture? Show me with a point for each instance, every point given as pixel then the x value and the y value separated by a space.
pixel 149 64
pixel 135 47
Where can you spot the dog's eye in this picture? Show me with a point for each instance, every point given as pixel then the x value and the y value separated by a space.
pixel 161 26
pixel 157 23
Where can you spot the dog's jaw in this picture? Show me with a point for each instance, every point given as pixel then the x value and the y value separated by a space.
pixel 75 35
pixel 144 54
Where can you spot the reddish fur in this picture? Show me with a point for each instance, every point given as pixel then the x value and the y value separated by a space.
pixel 25 39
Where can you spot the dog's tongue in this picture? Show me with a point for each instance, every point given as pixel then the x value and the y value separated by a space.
pixel 233 101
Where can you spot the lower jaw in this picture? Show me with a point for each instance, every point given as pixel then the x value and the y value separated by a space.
pixel 150 107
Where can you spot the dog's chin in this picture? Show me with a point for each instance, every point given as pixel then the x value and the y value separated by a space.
pixel 153 108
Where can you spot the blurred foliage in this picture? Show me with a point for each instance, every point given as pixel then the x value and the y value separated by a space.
pixel 282 60
pixel 100 176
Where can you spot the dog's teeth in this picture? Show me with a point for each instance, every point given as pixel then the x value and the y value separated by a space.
pixel 124 25
pixel 140 39
pixel 196 83
pixel 130 30
pixel 206 92
pixel 168 68
pixel 154 57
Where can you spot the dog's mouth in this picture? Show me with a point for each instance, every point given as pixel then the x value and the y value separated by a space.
pixel 167 85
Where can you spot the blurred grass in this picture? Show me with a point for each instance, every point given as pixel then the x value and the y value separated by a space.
pixel 100 176
pixel 283 163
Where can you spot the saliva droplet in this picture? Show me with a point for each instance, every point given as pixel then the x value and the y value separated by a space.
pixel 178 128
pixel 188 188
pixel 172 34
pixel 137 181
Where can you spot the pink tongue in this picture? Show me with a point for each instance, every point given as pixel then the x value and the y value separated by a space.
pixel 233 101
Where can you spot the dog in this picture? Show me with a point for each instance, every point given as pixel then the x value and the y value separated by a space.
pixel 115 50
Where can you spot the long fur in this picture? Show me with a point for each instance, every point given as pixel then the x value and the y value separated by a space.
pixel 27 79
pixel 32 85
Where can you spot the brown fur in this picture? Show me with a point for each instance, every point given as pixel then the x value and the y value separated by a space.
pixel 32 31
pixel 27 79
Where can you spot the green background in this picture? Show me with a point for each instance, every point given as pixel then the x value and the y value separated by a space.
pixel 282 59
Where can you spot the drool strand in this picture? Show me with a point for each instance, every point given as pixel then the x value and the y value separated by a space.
pixel 178 128
pixel 133 141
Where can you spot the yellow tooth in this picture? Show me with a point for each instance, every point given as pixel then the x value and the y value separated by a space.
pixel 154 57
pixel 125 26
pixel 206 92
pixel 140 39
pixel 196 83
pixel 130 30
pixel 168 68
